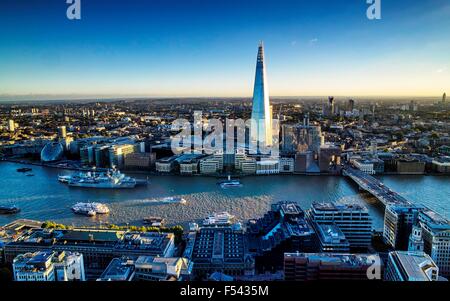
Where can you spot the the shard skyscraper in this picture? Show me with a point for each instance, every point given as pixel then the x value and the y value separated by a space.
pixel 261 127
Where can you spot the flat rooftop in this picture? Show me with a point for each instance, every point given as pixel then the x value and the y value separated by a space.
pixel 350 260
pixel 144 241
pixel 338 206
pixel 92 235
pixel 330 233
pixel 415 264
pixel 290 208
pixel 40 257
pixel 118 270
pixel 22 223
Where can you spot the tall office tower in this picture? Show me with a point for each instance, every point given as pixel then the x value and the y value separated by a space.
pixel 444 96
pixel 261 129
pixel 11 125
pixel 415 239
pixel 436 237
pixel 410 266
pixel 398 222
pixel 331 104
pixel 352 219
pixel 329 266
pixel 351 105
pixel 306 119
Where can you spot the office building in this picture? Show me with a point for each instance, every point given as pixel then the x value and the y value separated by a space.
pixel 410 166
pixel 249 166
pixel 329 266
pixel 363 165
pixel 331 239
pixel 101 155
pixel 410 266
pixel 330 108
pixel 329 157
pixel 301 138
pixel 119 269
pixel 87 155
pixel 34 267
pixel 239 157
pixel 149 268
pixel 220 249
pixel 98 247
pixel 49 266
pixel 165 165
pixel 398 222
pixel 139 161
pixel 11 125
pixel 118 152
pixel 244 163
pixel 62 132
pixel 442 164
pixel 261 128
pixel 145 244
pixel 286 165
pixel 189 167
pixel 352 219
pixel 350 105
pixel 303 161
pixel 436 237
pixel 267 166
pixel 282 229
pixel 212 164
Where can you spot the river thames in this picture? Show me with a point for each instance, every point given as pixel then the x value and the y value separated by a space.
pixel 42 197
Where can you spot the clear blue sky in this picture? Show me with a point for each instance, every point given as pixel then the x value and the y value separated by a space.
pixel 208 48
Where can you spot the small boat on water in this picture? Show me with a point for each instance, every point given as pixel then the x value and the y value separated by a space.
pixel 173 200
pixel 154 221
pixel 9 209
pixel 90 209
pixel 65 179
pixel 24 169
pixel 230 183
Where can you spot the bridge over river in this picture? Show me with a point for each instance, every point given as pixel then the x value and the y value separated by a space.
pixel 375 187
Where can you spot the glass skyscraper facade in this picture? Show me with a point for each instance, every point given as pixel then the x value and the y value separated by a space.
pixel 261 127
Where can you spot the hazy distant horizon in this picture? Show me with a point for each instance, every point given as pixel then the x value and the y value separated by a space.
pixel 54 98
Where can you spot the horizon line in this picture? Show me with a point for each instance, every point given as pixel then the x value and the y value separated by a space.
pixel 50 97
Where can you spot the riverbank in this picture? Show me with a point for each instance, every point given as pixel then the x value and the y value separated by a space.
pixel 218 175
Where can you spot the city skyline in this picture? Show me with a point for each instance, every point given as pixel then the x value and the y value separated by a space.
pixel 201 49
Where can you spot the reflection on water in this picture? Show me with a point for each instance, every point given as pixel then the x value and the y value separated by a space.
pixel 42 197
